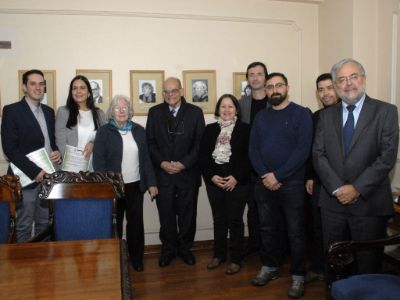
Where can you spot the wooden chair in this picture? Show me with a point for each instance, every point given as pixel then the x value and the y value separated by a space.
pixel 367 286
pixel 10 193
pixel 82 205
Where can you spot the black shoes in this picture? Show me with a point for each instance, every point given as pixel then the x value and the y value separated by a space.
pixel 165 260
pixel 138 267
pixel 188 258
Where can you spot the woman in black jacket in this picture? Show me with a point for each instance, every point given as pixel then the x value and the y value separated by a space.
pixel 120 146
pixel 226 171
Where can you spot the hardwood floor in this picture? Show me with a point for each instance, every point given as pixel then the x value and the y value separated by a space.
pixel 180 281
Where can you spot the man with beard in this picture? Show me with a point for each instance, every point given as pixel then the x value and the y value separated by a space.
pixel 278 156
pixel 327 95
pixel 354 150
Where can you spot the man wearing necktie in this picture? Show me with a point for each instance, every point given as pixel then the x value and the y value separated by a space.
pixel 174 130
pixel 355 147
pixel 27 126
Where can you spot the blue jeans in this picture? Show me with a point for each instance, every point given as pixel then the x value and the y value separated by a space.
pixel 290 200
pixel 31 210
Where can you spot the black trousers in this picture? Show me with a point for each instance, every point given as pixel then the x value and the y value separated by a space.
pixel 227 209
pixel 177 209
pixel 132 204
pixel 339 226
pixel 317 250
pixel 253 222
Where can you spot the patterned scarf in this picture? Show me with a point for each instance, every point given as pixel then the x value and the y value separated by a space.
pixel 222 151
pixel 127 127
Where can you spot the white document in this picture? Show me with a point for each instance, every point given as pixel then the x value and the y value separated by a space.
pixel 74 161
pixel 38 157
pixel 42 160
pixel 23 178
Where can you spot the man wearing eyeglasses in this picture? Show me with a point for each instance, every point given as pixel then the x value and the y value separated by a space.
pixel 278 156
pixel 355 148
pixel 174 130
pixel 250 105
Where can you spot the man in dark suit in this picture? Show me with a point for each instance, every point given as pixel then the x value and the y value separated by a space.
pixel 174 130
pixel 327 95
pixel 27 126
pixel 355 148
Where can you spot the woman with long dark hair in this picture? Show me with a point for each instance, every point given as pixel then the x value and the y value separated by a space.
pixel 78 120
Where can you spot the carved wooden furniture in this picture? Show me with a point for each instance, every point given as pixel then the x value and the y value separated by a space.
pixel 340 259
pixel 81 205
pixel 88 269
pixel 10 193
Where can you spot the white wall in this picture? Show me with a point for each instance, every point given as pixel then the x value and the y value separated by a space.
pixel 168 35
pixel 300 38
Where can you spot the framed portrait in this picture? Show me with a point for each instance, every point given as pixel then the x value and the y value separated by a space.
pixel 49 97
pixel 101 84
pixel 240 85
pixel 146 90
pixel 200 89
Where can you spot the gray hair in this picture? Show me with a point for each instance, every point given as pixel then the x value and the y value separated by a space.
pixel 343 62
pixel 200 84
pixel 114 103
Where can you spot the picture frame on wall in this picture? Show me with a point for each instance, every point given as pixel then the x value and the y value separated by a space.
pixel 240 85
pixel 200 88
pixel 49 97
pixel 101 84
pixel 146 89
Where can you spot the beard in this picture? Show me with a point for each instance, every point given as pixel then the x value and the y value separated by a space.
pixel 276 99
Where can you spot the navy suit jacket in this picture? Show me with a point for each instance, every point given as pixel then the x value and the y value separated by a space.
pixel 182 147
pixel 372 154
pixel 21 134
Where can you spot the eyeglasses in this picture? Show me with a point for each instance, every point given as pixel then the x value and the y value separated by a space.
pixel 171 92
pixel 344 79
pixel 276 86
pixel 121 109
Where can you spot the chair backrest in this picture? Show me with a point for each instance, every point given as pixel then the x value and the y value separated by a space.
pixel 82 205
pixel 10 193
pixel 341 257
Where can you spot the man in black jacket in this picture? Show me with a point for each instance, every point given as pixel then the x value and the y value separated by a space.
pixel 174 130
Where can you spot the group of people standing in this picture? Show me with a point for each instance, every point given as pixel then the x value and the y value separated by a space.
pixel 264 151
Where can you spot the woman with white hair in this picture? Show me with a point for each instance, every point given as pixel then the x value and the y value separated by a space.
pixel 120 146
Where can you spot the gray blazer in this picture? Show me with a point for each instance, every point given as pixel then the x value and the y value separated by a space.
pixel 66 136
pixel 371 156
pixel 245 109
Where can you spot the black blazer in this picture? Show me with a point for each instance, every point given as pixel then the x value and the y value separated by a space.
pixel 182 147
pixel 239 163
pixel 372 154
pixel 21 134
pixel 108 151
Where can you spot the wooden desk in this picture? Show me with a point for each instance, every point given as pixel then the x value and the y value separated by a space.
pixel 64 270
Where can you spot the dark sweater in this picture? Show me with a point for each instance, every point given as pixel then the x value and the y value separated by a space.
pixel 280 142
pixel 239 163
pixel 108 148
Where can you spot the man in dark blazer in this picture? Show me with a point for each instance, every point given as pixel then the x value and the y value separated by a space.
pixel 27 126
pixel 174 130
pixel 355 148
